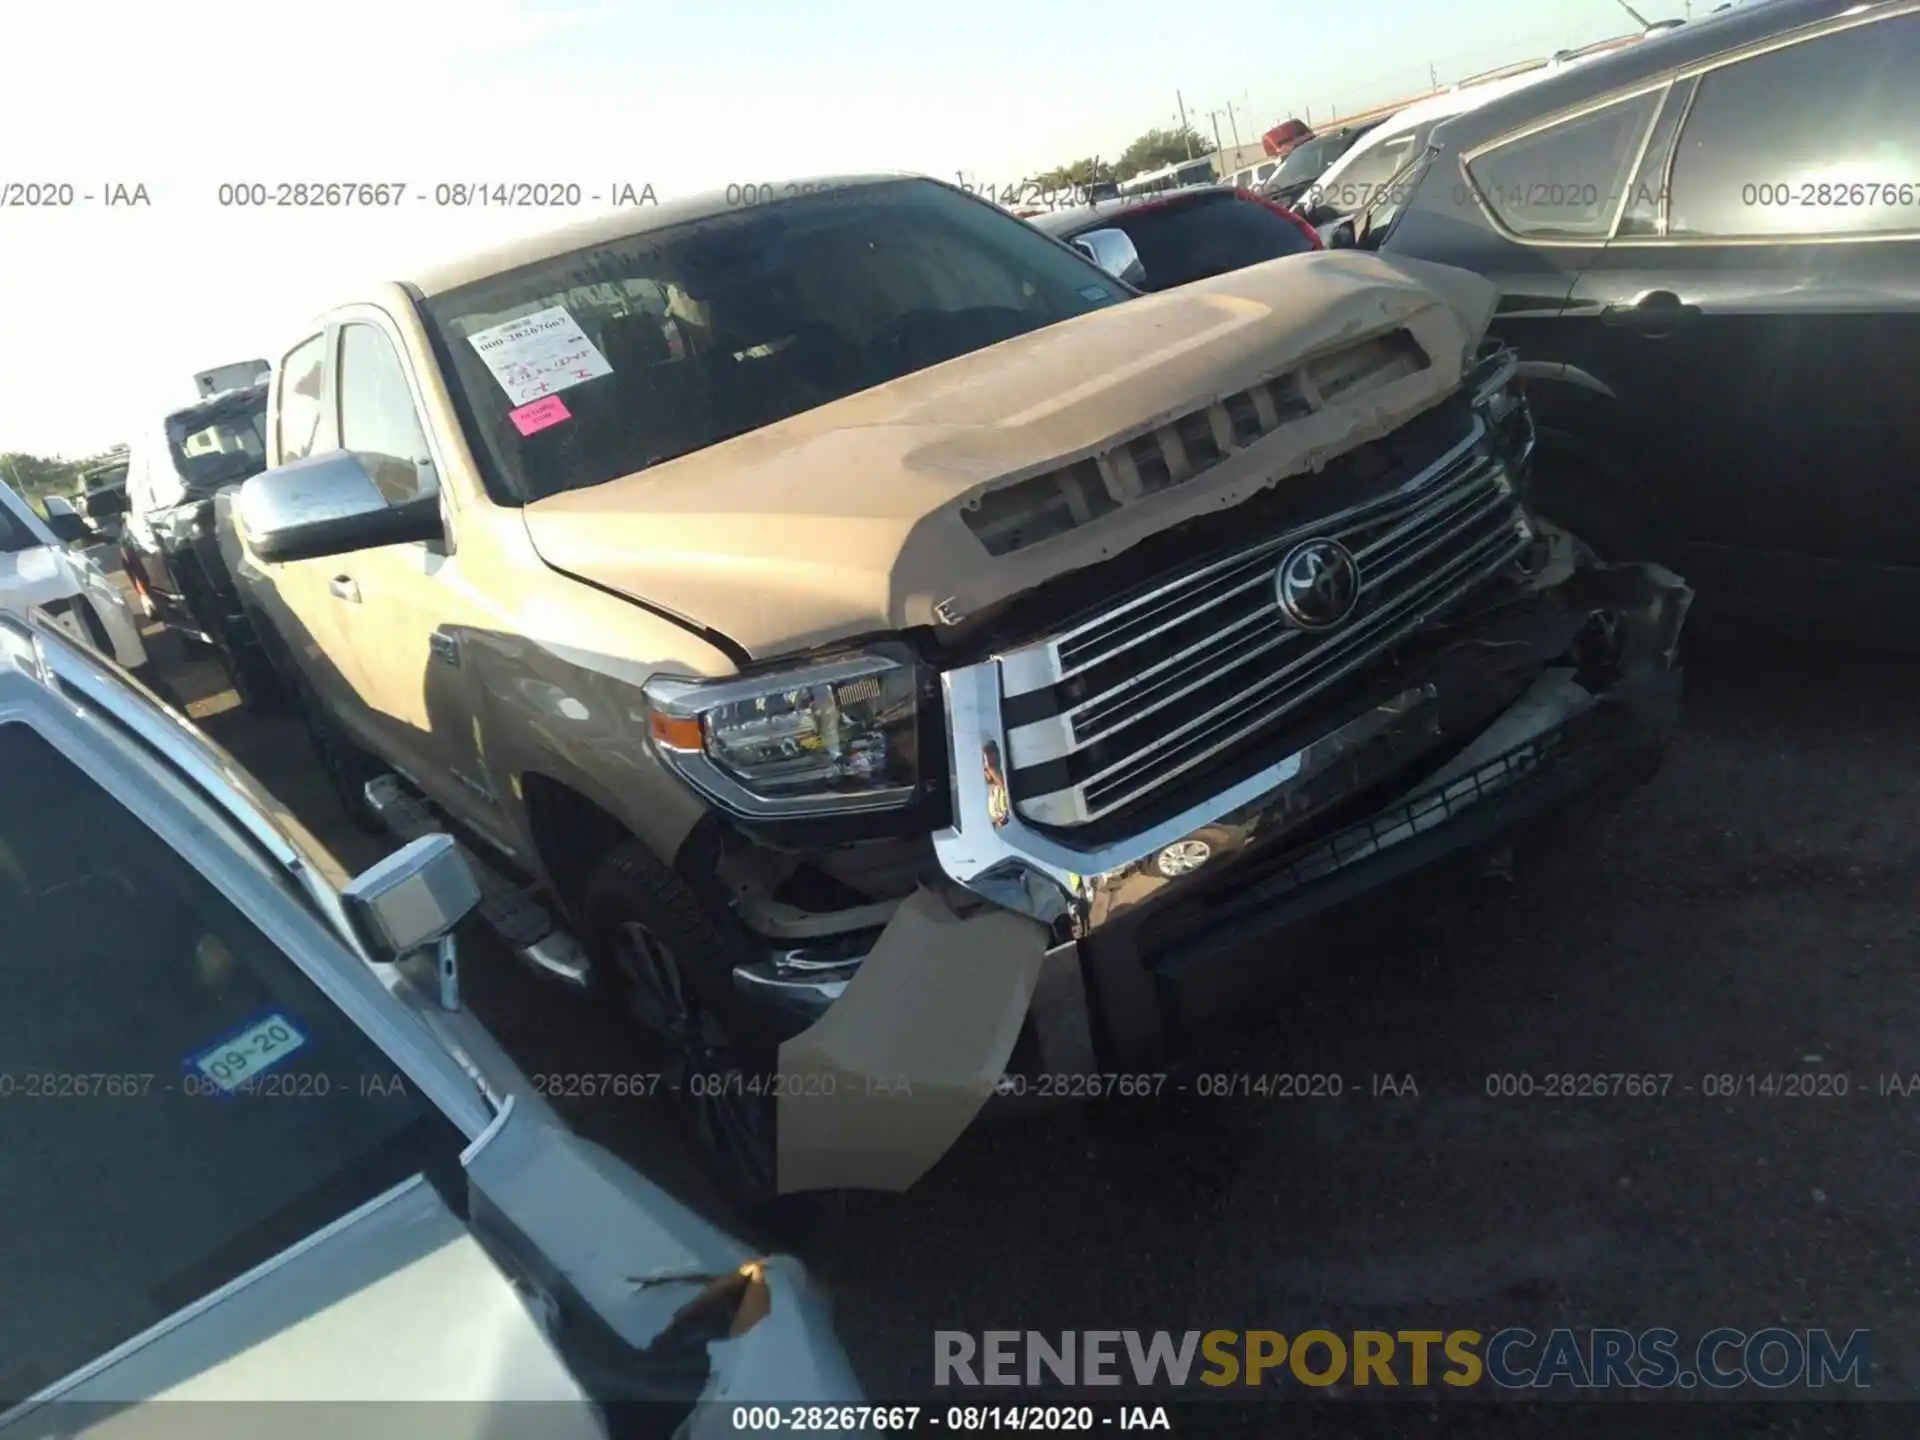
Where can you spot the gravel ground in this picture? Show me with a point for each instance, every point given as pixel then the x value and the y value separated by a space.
pixel 1752 912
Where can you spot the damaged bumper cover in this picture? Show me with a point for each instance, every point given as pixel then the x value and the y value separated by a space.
pixel 1108 957
pixel 1152 916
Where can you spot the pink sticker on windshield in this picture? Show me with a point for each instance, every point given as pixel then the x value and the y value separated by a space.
pixel 539 415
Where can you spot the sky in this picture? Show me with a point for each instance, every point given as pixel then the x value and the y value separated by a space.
pixel 106 311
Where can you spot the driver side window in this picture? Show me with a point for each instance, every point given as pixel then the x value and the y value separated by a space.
pixel 378 422
pixel 297 399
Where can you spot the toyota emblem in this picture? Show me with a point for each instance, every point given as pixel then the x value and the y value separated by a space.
pixel 1317 585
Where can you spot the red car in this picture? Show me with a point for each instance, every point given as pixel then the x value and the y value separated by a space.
pixel 1284 136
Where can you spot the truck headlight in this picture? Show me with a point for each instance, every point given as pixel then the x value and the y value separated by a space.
pixel 823 739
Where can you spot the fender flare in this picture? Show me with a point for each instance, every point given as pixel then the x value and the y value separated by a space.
pixel 1558 372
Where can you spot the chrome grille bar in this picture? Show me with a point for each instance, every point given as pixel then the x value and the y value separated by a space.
pixel 1404 545
pixel 1222 649
pixel 1228 723
pixel 1146 615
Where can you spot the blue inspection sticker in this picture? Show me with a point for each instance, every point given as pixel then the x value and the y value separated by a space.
pixel 247 1052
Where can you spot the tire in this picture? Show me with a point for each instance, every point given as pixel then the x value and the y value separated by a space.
pixel 665 966
pixel 1585 489
pixel 254 678
pixel 1189 854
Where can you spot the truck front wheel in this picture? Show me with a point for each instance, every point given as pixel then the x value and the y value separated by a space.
pixel 667 968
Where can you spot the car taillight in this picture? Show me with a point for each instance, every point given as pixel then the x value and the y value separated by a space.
pixel 1292 217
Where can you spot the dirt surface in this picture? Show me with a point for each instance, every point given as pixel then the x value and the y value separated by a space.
pixel 1753 912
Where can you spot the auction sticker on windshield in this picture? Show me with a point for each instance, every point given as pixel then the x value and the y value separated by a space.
pixel 261 1046
pixel 539 354
pixel 538 416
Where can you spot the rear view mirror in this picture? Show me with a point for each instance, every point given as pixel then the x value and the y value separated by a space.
pixel 104 504
pixel 66 523
pixel 328 505
pixel 1113 251
pixel 411 900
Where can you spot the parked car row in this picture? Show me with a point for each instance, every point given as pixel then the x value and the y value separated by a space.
pixel 1707 252
pixel 907 647
pixel 42 569
pixel 102 497
pixel 1308 161
pixel 825 729
pixel 169 543
pixel 908 654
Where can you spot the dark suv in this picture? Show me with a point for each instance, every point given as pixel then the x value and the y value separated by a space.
pixel 1708 252
pixel 168 542
pixel 102 497
pixel 1188 234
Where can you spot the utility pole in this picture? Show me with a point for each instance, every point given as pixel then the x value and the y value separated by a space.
pixel 1214 116
pixel 1235 124
pixel 1433 76
pixel 1185 130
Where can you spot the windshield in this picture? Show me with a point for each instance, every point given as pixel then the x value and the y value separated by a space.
pixel 214 445
pixel 1312 157
pixel 179 1102
pixel 106 479
pixel 1183 240
pixel 607 360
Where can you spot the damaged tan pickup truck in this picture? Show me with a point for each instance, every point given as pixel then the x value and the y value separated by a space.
pixel 911 661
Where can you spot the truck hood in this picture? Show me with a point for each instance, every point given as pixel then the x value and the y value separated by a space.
pixel 885 510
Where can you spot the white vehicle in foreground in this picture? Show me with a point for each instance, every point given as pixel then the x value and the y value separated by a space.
pixel 38 571
pixel 257 1151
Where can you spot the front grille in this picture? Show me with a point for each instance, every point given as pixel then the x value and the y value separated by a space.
pixel 1200 669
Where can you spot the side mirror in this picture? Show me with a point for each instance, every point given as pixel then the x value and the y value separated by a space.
pixel 413 899
pixel 66 523
pixel 1113 251
pixel 1339 235
pixel 328 505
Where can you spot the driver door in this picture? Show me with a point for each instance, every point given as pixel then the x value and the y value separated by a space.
pixel 407 610
pixel 303 610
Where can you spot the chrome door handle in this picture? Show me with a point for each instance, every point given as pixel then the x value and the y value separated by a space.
pixel 344 587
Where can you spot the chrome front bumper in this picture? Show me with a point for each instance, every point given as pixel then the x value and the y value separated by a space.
pixel 1092 897
pixel 1077 890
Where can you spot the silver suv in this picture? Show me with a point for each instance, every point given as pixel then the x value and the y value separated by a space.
pixel 256 1150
